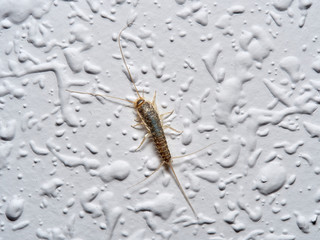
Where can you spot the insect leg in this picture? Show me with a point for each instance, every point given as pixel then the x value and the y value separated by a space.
pixel 167 126
pixel 136 125
pixel 144 138
pixel 163 115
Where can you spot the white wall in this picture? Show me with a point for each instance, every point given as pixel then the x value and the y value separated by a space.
pixel 240 74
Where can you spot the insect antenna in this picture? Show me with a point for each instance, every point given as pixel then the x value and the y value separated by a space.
pixel 99 95
pixel 124 59
pixel 158 168
pixel 186 155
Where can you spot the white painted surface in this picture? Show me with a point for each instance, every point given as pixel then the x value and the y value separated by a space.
pixel 244 75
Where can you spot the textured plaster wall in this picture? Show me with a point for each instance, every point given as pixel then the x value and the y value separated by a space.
pixel 243 75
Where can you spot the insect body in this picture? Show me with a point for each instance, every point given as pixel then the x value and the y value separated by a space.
pixel 151 120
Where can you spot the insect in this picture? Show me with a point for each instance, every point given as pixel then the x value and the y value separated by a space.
pixel 152 121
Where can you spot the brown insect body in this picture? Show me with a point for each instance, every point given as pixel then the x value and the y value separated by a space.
pixel 151 120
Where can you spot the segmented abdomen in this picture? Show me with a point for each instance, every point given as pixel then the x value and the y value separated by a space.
pixel 162 147
pixel 152 121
